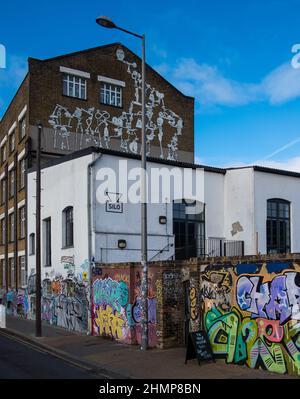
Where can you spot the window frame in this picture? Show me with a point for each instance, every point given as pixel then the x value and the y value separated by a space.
pixel 274 222
pixel 31 244
pixel 22 128
pixel 68 241
pixel 22 173
pixel 47 226
pixel 22 222
pixel 22 275
pixel 107 87
pixel 11 219
pixel 81 83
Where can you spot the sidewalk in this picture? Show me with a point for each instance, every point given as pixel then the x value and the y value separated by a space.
pixel 128 361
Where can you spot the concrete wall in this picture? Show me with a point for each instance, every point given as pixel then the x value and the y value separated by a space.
pixel 239 207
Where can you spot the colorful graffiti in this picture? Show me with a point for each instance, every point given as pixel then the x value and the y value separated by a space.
pixel 114 315
pixel 261 328
pixel 65 303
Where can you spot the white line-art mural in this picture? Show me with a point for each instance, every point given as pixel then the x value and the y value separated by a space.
pixel 97 127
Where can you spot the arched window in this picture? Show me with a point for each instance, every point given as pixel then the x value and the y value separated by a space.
pixel 278 226
pixel 189 229
pixel 32 244
pixel 68 233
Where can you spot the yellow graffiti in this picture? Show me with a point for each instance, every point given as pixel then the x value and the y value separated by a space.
pixel 109 322
pixel 193 303
pixel 159 292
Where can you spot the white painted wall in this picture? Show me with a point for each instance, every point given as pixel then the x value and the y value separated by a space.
pixel 214 204
pixel 238 196
pixel 63 185
pixel 269 186
pixel 239 206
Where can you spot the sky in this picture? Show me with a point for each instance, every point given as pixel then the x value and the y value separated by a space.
pixel 234 57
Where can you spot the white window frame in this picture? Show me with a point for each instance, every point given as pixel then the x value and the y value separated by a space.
pixel 22 222
pixel 74 83
pixel 22 165
pixel 22 127
pixel 23 277
pixel 111 94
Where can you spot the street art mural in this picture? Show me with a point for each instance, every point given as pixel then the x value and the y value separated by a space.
pixel 65 303
pixel 98 127
pixel 117 310
pixel 257 322
pixel 65 299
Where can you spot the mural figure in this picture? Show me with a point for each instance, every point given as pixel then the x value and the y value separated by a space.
pixel 97 127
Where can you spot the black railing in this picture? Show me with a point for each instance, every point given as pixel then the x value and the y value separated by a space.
pixel 220 247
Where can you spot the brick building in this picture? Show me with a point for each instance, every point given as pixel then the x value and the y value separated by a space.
pixel 83 99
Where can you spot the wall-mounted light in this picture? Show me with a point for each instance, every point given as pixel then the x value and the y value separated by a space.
pixel 122 244
pixel 162 220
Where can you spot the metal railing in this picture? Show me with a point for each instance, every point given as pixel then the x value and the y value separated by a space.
pixel 221 247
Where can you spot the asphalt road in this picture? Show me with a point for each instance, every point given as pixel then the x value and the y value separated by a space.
pixel 18 360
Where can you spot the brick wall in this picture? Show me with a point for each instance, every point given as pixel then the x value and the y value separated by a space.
pixel 46 93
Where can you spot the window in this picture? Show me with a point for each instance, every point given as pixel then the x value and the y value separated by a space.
pixel 3 153
pixel 74 86
pixel 3 191
pixel 278 226
pixel 11 183
pixel 3 230
pixel 68 236
pixel 22 169
pixel 189 231
pixel 22 222
pixel 111 94
pixel 22 128
pixel 11 227
pixel 47 241
pixel 11 272
pixel 32 244
pixel 2 274
pixel 12 141
pixel 22 271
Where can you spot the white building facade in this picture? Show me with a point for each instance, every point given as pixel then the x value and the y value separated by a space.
pixel 254 205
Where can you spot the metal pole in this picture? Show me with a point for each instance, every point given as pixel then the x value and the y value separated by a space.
pixel 144 340
pixel 38 318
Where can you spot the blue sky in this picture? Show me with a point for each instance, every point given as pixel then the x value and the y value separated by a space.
pixel 233 56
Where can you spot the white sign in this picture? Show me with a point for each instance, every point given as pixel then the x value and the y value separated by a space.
pixel 114 207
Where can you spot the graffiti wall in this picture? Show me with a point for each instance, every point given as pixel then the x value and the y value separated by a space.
pixel 252 314
pixel 65 303
pixel 65 298
pixel 117 311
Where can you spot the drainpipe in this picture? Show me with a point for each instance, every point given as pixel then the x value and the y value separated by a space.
pixel 90 228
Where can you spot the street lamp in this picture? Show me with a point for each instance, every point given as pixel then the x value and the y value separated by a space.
pixel 108 23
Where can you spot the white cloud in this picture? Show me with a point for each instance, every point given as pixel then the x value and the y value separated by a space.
pixel 211 88
pixel 282 84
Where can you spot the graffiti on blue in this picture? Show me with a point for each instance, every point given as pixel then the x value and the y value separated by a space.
pixel 278 299
pixel 108 291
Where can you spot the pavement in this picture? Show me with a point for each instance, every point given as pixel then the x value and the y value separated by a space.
pixel 110 359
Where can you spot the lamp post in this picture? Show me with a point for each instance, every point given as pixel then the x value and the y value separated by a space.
pixel 108 23
pixel 38 318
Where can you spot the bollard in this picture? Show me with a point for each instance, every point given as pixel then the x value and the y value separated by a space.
pixel 2 316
